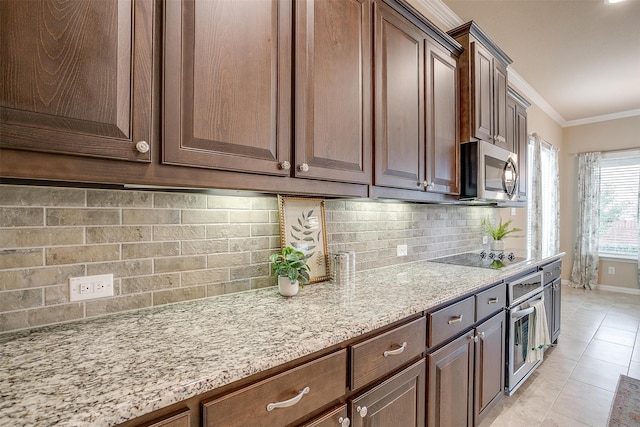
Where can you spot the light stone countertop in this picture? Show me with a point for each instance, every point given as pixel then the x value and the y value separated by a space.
pixel 108 370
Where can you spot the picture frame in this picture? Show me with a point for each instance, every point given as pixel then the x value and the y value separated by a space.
pixel 303 227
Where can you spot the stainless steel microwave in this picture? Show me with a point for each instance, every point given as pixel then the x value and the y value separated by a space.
pixel 489 173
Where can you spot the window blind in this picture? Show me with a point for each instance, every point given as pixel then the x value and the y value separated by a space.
pixel 619 189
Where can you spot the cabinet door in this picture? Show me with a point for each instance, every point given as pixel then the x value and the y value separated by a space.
pixel 482 92
pixel 333 90
pixel 522 142
pixel 76 77
pixel 489 365
pixel 548 307
pixel 557 298
pixel 399 100
pixel 443 149
pixel 399 401
pixel 500 105
pixel 450 384
pixel 512 127
pixel 227 84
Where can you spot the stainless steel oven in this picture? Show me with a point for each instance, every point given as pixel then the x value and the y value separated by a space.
pixel 522 291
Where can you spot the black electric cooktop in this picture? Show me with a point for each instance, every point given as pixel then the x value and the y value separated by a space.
pixel 495 260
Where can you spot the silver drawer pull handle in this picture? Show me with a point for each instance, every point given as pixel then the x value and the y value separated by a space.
pixel 396 351
pixel 290 402
pixel 362 411
pixel 344 422
pixel 493 300
pixel 456 319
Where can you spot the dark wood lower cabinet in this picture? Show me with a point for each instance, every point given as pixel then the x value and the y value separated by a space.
pixel 489 365
pixel 399 401
pixel 552 296
pixel 466 376
pixel 450 390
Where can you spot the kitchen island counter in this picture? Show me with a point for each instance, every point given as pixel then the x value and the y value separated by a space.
pixel 108 370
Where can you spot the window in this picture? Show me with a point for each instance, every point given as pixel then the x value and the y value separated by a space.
pixel 619 189
pixel 542 214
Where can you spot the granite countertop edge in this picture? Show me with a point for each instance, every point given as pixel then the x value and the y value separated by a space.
pixel 109 370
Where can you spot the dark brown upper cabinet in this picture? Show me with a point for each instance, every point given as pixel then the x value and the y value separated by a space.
pixel 228 79
pixel 443 142
pixel 227 85
pixel 76 77
pixel 333 90
pixel 416 107
pixel 399 100
pixel 483 86
pixel 518 137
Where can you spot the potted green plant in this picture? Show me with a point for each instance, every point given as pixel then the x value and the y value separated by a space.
pixel 498 233
pixel 290 265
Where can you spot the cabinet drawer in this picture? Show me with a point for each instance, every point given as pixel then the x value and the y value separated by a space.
pixel 334 418
pixel 183 419
pixel 326 381
pixel 552 271
pixel 377 356
pixel 450 321
pixel 490 301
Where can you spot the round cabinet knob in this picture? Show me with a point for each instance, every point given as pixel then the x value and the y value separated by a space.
pixel 430 184
pixel 142 146
pixel 303 167
pixel 344 422
pixel 285 165
pixel 362 411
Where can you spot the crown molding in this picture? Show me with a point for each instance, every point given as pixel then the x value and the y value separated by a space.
pixel 603 118
pixel 451 20
pixel 528 91
pixel 441 11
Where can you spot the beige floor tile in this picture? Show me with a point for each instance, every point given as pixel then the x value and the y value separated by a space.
pixel 585 403
pixel 555 368
pixel 569 347
pixel 634 370
pixel 615 335
pixel 609 352
pixel 636 353
pixel 598 373
pixel 621 321
pixel 555 419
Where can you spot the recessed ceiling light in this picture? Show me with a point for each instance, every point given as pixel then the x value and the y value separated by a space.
pixel 612 1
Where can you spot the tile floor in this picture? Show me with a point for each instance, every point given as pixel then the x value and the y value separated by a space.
pixel 575 384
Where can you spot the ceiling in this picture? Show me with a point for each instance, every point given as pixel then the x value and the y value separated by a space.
pixel 580 56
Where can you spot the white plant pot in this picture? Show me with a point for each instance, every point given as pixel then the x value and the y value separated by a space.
pixel 497 245
pixel 286 288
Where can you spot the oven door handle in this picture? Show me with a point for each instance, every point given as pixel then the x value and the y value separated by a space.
pixel 518 314
pixel 522 313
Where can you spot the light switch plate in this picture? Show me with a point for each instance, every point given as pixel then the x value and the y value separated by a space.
pixel 90 287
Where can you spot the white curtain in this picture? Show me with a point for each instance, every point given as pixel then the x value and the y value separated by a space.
pixel 544 195
pixel 585 258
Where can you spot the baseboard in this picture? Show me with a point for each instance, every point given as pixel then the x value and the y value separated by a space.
pixel 618 289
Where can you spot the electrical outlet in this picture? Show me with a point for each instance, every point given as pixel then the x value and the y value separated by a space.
pixel 401 250
pixel 90 287
pixel 513 211
pixel 485 240
pixel 612 270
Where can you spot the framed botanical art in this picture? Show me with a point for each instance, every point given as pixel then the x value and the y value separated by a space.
pixel 303 227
